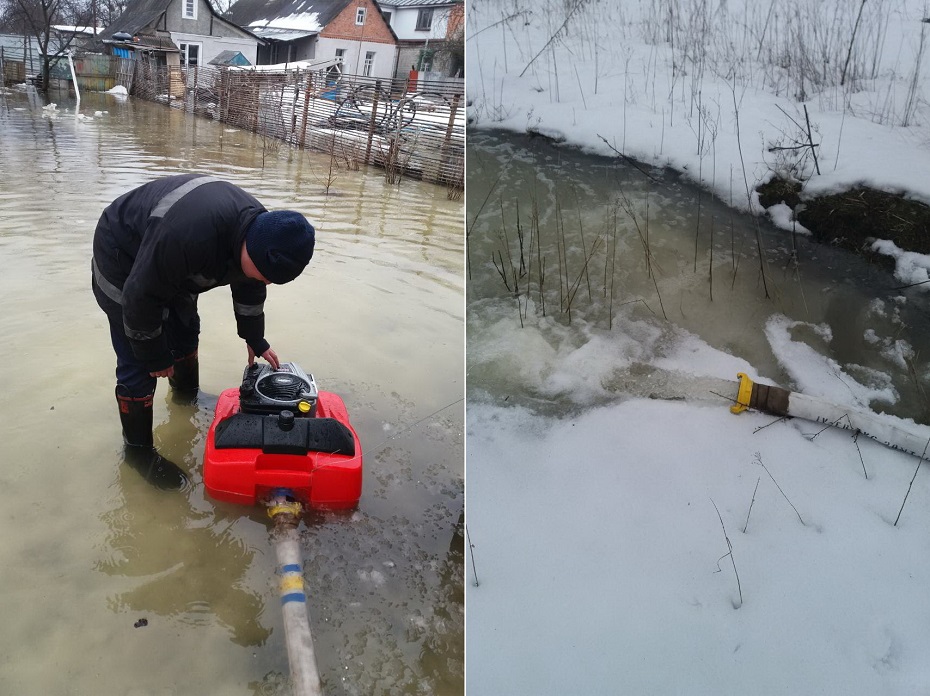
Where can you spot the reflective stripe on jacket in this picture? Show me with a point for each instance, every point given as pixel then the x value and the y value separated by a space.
pixel 170 238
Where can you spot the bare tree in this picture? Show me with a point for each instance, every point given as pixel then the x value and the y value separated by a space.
pixel 38 18
pixel 106 11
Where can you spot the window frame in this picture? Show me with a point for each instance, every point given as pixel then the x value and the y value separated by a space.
pixel 369 64
pixel 361 13
pixel 185 47
pixel 193 14
pixel 425 17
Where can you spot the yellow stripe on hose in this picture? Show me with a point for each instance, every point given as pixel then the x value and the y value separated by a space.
pixel 290 583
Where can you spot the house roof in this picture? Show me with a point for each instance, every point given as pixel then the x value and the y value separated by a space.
pixel 283 67
pixel 305 16
pixel 276 34
pixel 419 3
pixel 138 15
pixel 148 42
pixel 68 29
pixel 230 58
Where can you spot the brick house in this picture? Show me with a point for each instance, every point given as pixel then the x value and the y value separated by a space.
pixel 354 33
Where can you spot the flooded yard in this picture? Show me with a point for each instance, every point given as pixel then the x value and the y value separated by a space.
pixel 89 549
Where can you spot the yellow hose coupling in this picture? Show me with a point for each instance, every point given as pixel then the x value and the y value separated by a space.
pixel 285 509
pixel 744 395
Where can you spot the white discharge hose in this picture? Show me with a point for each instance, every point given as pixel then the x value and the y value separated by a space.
pixel 906 437
pixel 305 676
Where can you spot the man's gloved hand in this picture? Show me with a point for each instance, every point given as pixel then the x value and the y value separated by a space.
pixel 167 372
pixel 268 355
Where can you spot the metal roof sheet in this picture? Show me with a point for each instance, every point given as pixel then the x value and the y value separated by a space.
pixel 230 58
pixel 279 34
pixel 418 3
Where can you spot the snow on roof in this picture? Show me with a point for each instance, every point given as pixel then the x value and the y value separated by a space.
pixel 419 3
pixel 76 30
pixel 275 34
pixel 304 21
pixel 294 65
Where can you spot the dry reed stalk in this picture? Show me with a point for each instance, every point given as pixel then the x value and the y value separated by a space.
pixel 710 271
pixel 581 275
pixel 697 228
pixel 563 257
pixel 540 261
pixel 584 249
pixel 730 554
pixel 613 272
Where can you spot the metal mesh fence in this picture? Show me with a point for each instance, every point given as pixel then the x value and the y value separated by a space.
pixel 410 129
pixel 20 59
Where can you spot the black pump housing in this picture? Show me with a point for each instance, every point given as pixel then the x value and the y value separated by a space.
pixel 266 391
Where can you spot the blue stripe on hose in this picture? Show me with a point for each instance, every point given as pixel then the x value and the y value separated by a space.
pixel 290 568
pixel 293 597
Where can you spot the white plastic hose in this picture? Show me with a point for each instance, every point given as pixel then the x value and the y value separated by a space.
pixel 896 434
pixel 305 676
pixel 77 90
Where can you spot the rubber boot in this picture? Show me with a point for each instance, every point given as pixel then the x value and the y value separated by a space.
pixel 135 413
pixel 186 379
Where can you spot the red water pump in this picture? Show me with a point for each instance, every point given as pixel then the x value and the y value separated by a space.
pixel 277 432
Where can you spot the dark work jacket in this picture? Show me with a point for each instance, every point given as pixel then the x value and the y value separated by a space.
pixel 161 244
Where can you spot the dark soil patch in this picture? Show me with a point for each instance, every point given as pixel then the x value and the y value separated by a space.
pixel 780 191
pixel 854 218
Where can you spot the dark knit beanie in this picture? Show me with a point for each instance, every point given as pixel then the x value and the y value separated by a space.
pixel 280 244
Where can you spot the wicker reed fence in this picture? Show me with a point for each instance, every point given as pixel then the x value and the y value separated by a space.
pixel 411 130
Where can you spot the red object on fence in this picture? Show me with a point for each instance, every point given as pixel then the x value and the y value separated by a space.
pixel 412 80
pixel 249 475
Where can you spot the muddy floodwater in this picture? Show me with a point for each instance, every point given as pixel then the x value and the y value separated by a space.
pixel 611 241
pixel 88 549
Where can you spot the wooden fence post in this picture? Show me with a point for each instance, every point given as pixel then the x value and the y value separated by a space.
pixel 290 135
pixel 448 138
pixel 371 123
pixel 307 90
pixel 256 90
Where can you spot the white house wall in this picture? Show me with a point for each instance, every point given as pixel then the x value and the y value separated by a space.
pixel 354 59
pixel 404 23
pixel 214 45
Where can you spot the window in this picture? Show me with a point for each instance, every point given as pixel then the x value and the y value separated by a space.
pixel 369 63
pixel 360 15
pixel 425 19
pixel 190 53
pixel 189 9
pixel 340 55
pixel 387 17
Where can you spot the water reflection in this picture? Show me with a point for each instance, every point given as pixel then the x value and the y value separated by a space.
pixel 182 564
